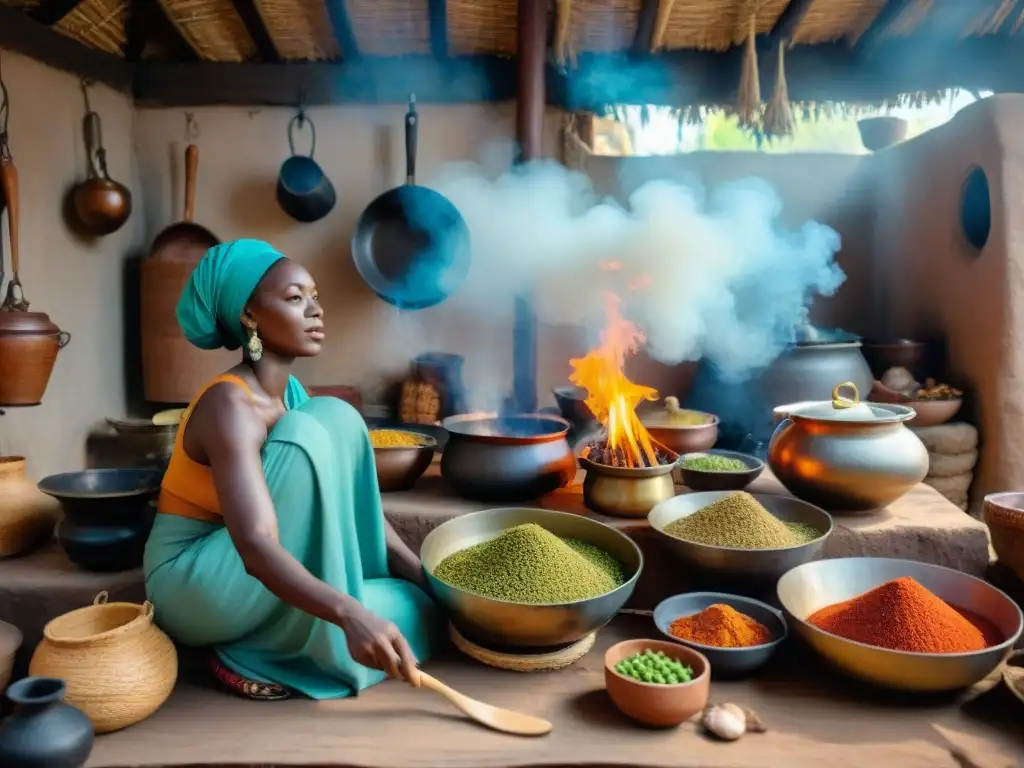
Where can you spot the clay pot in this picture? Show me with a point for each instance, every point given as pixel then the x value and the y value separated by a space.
pixel 27 515
pixel 651 703
pixel 43 731
pixel 108 514
pixel 29 343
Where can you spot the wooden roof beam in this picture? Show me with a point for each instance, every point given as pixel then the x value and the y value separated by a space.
pixel 644 29
pixel 438 14
pixel 828 72
pixel 342 26
pixel 789 20
pixel 23 35
pixel 889 13
pixel 251 17
pixel 147 21
pixel 50 12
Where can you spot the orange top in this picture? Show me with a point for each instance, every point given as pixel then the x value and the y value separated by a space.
pixel 187 489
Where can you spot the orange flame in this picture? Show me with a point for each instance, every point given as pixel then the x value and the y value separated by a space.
pixel 611 396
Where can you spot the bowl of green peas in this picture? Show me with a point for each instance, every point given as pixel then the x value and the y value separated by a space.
pixel 657 683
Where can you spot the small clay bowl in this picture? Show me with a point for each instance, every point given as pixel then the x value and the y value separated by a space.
pixel 661 706
pixel 726 662
pixel 732 480
pixel 400 466
pixel 931 413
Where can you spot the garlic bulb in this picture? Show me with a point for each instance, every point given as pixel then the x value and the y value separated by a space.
pixel 899 379
pixel 726 721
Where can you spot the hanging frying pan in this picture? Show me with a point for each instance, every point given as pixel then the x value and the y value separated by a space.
pixel 411 245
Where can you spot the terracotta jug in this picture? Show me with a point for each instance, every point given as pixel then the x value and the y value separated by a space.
pixel 27 515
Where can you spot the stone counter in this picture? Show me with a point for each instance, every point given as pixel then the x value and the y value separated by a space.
pixel 921 526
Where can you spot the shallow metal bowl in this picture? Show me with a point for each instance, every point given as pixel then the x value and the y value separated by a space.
pixel 730 480
pixel 725 662
pixel 732 563
pixel 400 466
pixel 501 624
pixel 812 586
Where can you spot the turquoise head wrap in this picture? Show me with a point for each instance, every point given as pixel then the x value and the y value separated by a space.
pixel 210 308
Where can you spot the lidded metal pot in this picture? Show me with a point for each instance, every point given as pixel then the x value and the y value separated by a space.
pixel 846 455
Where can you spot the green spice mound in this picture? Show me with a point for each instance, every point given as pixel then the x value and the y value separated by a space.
pixel 529 564
pixel 709 462
pixel 739 521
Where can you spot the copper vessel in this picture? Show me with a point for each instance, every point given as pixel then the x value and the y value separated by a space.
pixel 845 455
pixel 102 205
pixel 29 341
pixel 626 491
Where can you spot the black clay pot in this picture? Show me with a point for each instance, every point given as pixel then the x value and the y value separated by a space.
pixel 43 731
pixel 108 514
pixel 507 459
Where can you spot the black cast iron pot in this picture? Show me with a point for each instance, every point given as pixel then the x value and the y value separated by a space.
pixel 507 459
pixel 108 514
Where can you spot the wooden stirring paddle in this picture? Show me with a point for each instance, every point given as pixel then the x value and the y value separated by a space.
pixel 504 720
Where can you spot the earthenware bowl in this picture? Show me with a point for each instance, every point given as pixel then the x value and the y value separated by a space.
pixel 400 466
pixel 500 624
pixel 813 586
pixel 682 438
pixel 931 413
pixel 755 567
pixel 108 514
pixel 726 662
pixel 655 704
pixel 731 480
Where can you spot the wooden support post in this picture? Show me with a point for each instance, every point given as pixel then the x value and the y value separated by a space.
pixel 530 104
pixel 438 14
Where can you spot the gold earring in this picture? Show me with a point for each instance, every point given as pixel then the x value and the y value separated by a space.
pixel 255 346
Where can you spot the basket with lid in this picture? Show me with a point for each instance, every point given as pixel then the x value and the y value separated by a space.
pixel 846 455
pixel 118 665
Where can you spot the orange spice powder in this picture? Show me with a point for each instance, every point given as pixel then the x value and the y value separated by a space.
pixel 720 626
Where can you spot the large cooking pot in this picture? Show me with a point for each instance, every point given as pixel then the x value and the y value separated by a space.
pixel 845 455
pixel 506 459
pixel 803 372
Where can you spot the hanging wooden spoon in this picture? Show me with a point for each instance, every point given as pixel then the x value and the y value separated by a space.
pixel 504 720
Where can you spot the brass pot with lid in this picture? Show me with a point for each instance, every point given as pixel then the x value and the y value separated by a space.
pixel 846 455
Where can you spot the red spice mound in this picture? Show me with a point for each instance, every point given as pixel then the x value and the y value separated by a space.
pixel 901 615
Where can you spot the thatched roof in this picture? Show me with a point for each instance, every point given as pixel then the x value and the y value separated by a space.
pixel 345 31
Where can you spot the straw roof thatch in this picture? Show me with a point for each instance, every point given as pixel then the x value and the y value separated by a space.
pixel 678 52
pixel 302 29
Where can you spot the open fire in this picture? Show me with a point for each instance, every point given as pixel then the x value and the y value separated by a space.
pixel 613 398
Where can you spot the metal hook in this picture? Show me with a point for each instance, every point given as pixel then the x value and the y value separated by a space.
pixel 191 128
pixel 302 106
pixel 85 84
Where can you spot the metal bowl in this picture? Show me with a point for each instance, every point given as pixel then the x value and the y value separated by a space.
pixel 731 563
pixel 500 623
pixel 812 586
pixel 725 662
pixel 682 438
pixel 400 466
pixel 736 480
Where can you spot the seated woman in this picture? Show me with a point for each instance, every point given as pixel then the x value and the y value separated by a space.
pixel 270 545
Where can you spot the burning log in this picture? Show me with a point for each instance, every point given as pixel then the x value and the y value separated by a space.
pixel 600 451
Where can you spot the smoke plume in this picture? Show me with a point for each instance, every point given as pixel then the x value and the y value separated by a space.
pixel 712 275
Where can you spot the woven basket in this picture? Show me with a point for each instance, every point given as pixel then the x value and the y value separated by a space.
pixel 1004 515
pixel 118 666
